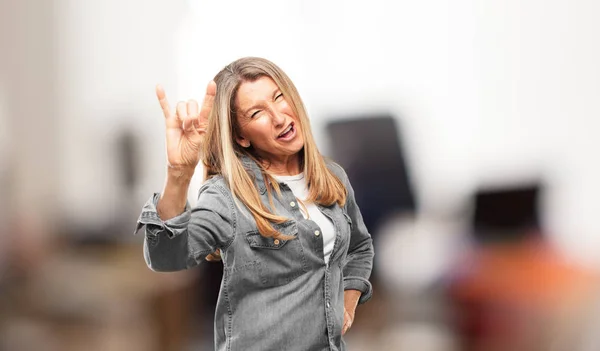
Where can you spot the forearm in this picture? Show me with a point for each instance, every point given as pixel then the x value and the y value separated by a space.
pixel 174 195
pixel 168 255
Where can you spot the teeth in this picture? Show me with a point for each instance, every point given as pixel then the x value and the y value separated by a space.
pixel 287 130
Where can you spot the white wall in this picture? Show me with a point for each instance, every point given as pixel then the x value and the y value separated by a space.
pixel 112 54
pixel 490 92
pixel 487 91
pixel 538 64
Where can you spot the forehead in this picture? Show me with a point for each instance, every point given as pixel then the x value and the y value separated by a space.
pixel 251 93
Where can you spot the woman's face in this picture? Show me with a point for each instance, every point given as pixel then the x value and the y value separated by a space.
pixel 267 121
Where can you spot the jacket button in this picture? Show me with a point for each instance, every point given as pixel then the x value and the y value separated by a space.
pixel 317 233
pixel 293 204
pixel 276 242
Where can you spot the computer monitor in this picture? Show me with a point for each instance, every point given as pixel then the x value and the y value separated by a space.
pixel 370 150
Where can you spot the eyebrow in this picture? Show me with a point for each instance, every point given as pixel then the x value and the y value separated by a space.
pixel 273 95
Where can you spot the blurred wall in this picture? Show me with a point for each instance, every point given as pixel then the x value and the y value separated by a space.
pixel 4 164
pixel 112 54
pixel 29 114
pixel 487 91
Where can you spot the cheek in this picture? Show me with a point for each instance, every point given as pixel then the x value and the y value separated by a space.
pixel 258 130
pixel 286 109
pixel 300 129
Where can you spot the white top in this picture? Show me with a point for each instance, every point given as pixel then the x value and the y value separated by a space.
pixel 297 184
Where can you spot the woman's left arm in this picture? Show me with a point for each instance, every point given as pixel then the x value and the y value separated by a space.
pixel 359 261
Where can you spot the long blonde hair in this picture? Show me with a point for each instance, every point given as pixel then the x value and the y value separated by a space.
pixel 222 154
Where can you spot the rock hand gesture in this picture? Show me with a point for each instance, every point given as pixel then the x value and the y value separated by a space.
pixel 185 131
pixel 185 128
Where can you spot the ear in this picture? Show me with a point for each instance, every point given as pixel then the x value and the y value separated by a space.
pixel 243 142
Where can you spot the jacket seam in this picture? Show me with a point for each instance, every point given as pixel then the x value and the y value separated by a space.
pixel 229 318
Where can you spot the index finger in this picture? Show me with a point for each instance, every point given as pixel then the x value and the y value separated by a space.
pixel 209 99
pixel 162 99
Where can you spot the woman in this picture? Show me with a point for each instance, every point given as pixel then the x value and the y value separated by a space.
pixel 296 254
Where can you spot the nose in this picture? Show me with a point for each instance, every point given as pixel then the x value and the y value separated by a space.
pixel 278 117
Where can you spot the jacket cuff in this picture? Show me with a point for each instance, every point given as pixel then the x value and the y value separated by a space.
pixel 154 225
pixel 360 284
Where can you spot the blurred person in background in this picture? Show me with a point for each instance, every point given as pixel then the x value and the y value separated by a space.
pixel 283 219
pixel 513 290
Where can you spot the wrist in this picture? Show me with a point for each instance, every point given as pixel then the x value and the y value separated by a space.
pixel 351 298
pixel 173 198
pixel 179 174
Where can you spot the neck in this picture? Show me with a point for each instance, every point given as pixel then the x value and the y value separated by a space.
pixel 284 166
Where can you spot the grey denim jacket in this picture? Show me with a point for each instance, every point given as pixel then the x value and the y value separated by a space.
pixel 275 294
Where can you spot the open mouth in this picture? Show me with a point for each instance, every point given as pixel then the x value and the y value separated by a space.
pixel 289 131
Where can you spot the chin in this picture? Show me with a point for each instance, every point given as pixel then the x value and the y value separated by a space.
pixel 299 148
pixel 293 152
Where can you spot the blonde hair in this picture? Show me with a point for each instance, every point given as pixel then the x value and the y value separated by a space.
pixel 222 154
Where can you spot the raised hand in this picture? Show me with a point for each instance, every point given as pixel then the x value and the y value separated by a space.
pixel 186 127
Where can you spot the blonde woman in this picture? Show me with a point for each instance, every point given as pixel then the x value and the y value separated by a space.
pixel 296 254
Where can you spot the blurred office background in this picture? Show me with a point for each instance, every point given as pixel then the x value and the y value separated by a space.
pixel 479 121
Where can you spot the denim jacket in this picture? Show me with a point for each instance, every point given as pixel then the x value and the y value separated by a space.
pixel 275 294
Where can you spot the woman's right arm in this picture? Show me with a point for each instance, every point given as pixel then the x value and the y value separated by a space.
pixel 167 215
pixel 185 240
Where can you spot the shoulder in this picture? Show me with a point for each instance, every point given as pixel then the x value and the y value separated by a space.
pixel 215 187
pixel 214 181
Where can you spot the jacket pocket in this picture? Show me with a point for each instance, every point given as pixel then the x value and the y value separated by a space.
pixel 281 261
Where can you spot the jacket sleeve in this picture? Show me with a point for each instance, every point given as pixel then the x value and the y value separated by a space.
pixel 359 262
pixel 183 241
